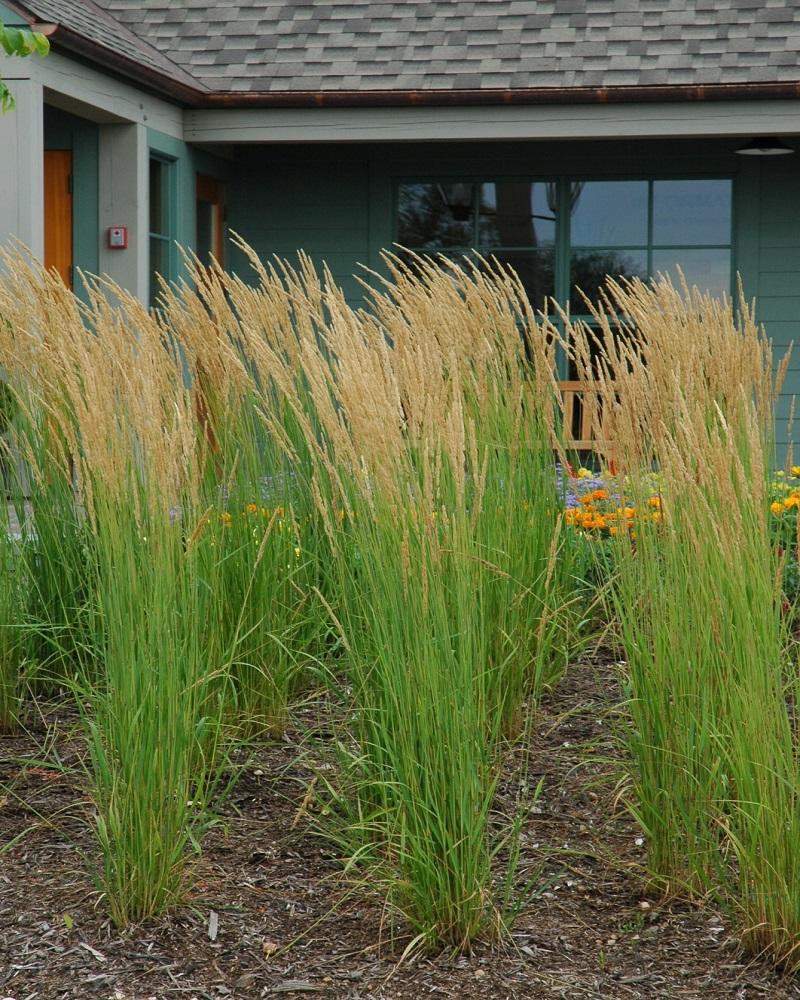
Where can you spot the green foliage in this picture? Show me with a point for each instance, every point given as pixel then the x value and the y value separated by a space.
pixel 153 722
pixel 19 42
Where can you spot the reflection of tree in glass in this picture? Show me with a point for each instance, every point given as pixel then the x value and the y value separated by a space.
pixel 535 270
pixel 432 216
pixel 512 222
pixel 590 269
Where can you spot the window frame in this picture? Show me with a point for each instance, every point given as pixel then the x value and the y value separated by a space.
pixel 168 238
pixel 562 244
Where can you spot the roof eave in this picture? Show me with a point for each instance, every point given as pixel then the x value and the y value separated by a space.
pixel 490 97
pixel 163 84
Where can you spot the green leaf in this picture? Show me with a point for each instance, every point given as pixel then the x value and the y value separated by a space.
pixel 41 44
pixel 6 98
pixel 12 41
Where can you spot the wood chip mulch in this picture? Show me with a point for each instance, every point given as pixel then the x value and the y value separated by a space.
pixel 272 916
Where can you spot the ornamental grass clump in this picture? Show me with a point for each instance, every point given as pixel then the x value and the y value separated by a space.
pixel 268 550
pixel 55 563
pixel 698 598
pixel 108 400
pixel 411 414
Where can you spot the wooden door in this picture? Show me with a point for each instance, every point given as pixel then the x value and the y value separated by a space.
pixel 210 205
pixel 58 212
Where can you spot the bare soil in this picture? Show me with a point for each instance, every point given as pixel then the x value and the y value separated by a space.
pixel 272 915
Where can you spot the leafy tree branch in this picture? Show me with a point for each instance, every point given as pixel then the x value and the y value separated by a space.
pixel 19 42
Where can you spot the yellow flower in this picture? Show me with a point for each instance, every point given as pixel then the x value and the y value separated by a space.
pixel 252 508
pixel 583 473
pixel 795 471
pixel 791 501
pixel 226 518
pixel 776 507
pixel 655 502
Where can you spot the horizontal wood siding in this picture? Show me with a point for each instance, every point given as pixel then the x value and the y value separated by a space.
pixel 320 205
pixel 776 287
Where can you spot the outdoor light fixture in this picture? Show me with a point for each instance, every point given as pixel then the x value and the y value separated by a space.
pixel 768 145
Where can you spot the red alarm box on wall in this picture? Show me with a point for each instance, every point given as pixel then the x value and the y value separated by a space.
pixel 118 238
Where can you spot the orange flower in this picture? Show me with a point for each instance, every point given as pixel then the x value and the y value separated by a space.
pixel 655 502
pixel 586 500
pixel 600 494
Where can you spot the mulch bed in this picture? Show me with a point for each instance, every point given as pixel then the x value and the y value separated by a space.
pixel 284 923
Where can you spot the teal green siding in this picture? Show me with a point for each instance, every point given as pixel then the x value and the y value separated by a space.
pixel 305 200
pixel 337 203
pixel 65 131
pixel 772 243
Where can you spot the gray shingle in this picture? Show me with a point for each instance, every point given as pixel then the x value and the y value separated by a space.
pixel 94 21
pixel 300 45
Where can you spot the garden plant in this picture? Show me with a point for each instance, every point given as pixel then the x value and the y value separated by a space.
pixel 260 494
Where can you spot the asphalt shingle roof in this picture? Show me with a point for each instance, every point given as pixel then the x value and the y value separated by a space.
pixel 309 45
pixel 90 20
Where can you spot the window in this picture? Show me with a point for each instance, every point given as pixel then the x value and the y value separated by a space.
pixel 563 235
pixel 162 225
pixel 514 221
pixel 646 228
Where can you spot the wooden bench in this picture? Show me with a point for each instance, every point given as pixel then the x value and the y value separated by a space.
pixel 580 417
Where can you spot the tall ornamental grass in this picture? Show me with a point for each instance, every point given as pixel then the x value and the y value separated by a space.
pixel 106 385
pixel 58 630
pixel 444 620
pixel 12 616
pixel 698 599
pixel 267 554
pixel 255 467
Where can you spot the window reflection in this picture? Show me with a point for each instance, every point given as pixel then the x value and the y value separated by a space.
pixel 432 216
pixel 691 212
pixel 536 271
pixel 617 228
pixel 609 213
pixel 517 214
pixel 590 268
pixel 710 270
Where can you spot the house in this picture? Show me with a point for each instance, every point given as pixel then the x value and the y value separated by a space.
pixel 571 139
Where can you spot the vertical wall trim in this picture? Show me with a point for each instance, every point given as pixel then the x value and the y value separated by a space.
pixel 123 201
pixel 22 167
